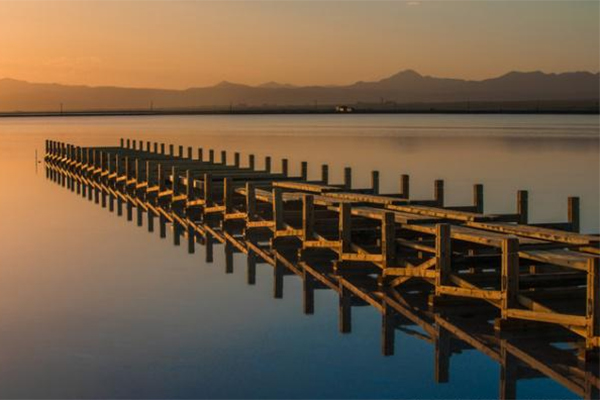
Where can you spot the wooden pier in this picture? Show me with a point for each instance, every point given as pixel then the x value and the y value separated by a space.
pixel 418 262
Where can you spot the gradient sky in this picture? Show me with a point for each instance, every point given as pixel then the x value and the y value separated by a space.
pixel 175 44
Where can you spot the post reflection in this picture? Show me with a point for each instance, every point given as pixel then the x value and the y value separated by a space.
pixel 450 330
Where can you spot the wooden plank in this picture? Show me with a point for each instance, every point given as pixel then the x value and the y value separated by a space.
pixel 441 213
pixel 551 235
pixel 561 257
pixel 306 187
pixel 556 318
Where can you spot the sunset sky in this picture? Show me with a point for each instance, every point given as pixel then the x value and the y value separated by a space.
pixel 173 44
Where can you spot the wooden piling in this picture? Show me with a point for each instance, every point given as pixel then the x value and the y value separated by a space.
pixel 345 310
pixel 325 174
pixel 523 206
pixel 308 293
pixel 443 254
pixel 478 198
pixel 375 182
pixel 348 178
pixel 308 217
pixel 509 274
pixel 573 213
pixel 284 167
pixel 251 268
pixel 439 192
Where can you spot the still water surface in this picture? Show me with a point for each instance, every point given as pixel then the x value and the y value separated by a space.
pixel 93 306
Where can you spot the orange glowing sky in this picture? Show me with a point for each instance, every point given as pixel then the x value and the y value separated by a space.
pixel 175 44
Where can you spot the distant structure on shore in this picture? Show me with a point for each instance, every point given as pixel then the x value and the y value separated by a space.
pixel 344 109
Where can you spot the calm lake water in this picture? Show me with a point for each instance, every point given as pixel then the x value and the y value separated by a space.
pixel 93 306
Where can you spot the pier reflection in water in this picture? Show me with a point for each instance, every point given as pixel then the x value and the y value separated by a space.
pixel 450 330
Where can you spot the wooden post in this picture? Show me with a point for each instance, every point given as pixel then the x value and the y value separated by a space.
pixel 228 195
pixel 478 198
pixel 388 239
pixel 251 268
pixel 442 355
pixel 189 185
pixel 191 239
pixel 388 331
pixel 127 168
pixel 278 209
pixel 284 166
pixel 209 248
pixel 228 248
pixel 508 374
pixel 308 293
pixel 523 206
pixel 122 144
pixel 211 156
pixel 236 159
pixel 128 143
pixel 162 222
pixel 148 173
pixel 129 211
pixel 136 165
pixel 223 157
pixel 162 148
pixel 308 217
pixel 189 153
pixel 278 279
pixel 304 170
pixel 134 142
pixel 345 228
pixel 325 174
pixel 250 201
pixel 268 164
pixel 160 178
pixel 207 190
pixel 439 192
pixel 111 203
pixel 180 152
pixel 348 178
pixel 375 182
pixel 155 147
pixel 140 215
pixel 171 151
pixel 174 180
pixel 117 166
pixel 119 205
pixel 176 234
pixel 148 146
pixel 200 154
pixel 510 274
pixel 150 221
pixel 443 254
pixel 574 213
pixel 345 310
pixel 251 162
pixel 592 309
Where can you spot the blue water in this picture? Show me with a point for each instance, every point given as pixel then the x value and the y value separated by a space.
pixel 92 306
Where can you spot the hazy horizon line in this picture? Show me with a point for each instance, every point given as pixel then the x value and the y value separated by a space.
pixel 295 86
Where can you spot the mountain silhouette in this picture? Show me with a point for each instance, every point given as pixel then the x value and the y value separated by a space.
pixel 403 87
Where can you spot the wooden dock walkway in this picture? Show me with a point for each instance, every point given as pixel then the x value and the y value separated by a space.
pixel 416 261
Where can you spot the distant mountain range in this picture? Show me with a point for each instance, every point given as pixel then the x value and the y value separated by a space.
pixel 404 87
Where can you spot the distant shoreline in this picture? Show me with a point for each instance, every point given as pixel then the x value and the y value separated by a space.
pixel 292 111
